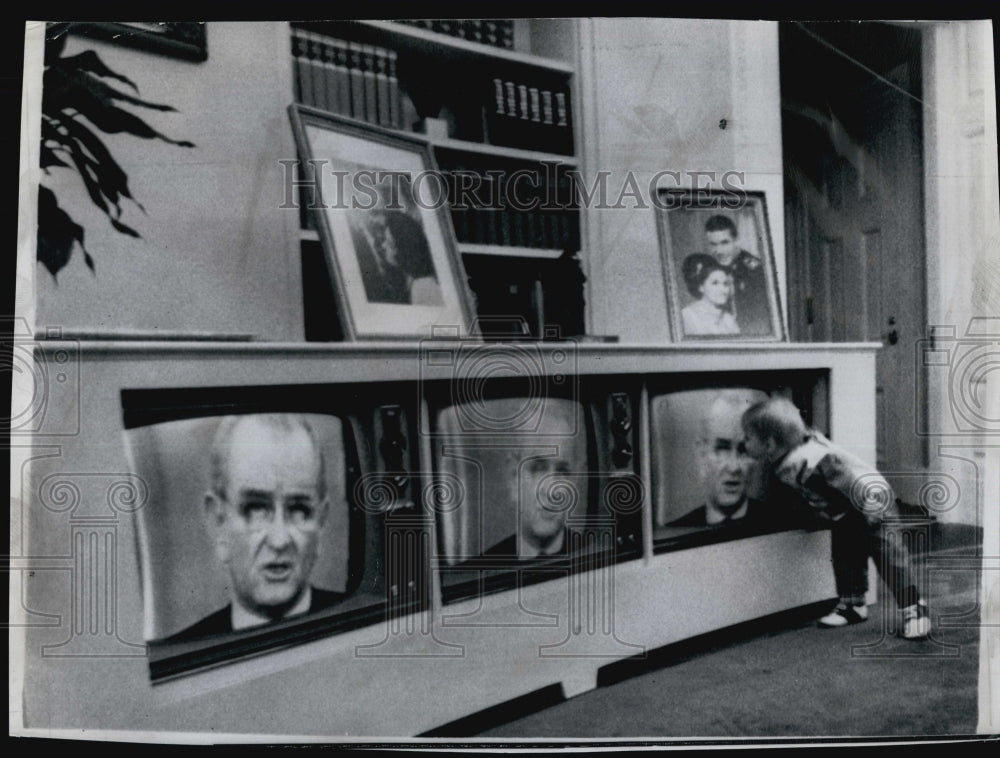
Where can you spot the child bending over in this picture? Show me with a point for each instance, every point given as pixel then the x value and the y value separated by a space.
pixel 850 493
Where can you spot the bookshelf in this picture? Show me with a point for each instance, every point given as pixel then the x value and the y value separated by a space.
pixel 496 107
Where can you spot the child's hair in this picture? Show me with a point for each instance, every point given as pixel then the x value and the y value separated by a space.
pixel 775 419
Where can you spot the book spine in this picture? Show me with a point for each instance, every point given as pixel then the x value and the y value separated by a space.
pixel 322 84
pixel 382 86
pixel 357 80
pixel 506 226
pixel 505 34
pixel 317 76
pixel 341 78
pixel 535 101
pixel 489 222
pixel 491 34
pixel 473 30
pixel 496 114
pixel 548 121
pixel 300 72
pixel 564 135
pixel 311 83
pixel 523 116
pixel 510 131
pixel 370 84
pixel 395 99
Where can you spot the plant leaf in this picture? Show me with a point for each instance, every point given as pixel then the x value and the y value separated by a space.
pixel 75 99
pixel 111 119
pixel 57 233
pixel 88 60
pixel 113 180
pixel 123 228
pixel 84 167
pixel 82 80
pixel 49 158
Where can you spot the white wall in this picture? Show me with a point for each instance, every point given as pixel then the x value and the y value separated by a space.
pixel 653 94
pixel 216 254
pixel 963 253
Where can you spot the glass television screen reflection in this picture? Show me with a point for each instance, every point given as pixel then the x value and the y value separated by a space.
pixel 256 534
pixel 702 476
pixel 521 502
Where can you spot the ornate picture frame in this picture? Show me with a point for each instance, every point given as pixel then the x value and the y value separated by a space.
pixel 385 228
pixel 718 266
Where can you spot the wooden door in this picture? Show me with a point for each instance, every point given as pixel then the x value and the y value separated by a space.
pixel 852 141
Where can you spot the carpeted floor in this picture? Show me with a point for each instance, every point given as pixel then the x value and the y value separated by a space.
pixel 788 680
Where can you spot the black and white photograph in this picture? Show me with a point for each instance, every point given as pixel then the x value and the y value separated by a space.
pixel 392 255
pixel 718 265
pixel 553 382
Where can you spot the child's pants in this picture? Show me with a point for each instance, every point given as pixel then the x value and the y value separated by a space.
pixel 854 537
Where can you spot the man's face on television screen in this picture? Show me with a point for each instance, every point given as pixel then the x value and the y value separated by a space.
pixel 270 520
pixel 725 464
pixel 545 498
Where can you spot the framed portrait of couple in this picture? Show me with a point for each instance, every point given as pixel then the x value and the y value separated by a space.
pixel 385 228
pixel 718 264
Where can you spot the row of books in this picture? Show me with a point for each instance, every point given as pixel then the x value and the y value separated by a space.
pixel 519 114
pixel 510 221
pixel 347 78
pixel 545 229
pixel 542 229
pixel 361 81
pixel 487 31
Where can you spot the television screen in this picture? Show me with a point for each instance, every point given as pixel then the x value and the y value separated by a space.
pixel 524 499
pixel 701 473
pixel 265 520
pixel 245 515
pixel 519 490
pixel 705 485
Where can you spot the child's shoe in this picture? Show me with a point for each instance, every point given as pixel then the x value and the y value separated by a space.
pixel 916 622
pixel 844 615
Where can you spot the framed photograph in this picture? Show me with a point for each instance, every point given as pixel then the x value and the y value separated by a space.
pixel 385 227
pixel 718 264
pixel 178 39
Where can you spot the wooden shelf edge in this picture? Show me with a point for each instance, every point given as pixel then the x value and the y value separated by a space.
pixel 425 36
pixel 500 151
pixel 511 251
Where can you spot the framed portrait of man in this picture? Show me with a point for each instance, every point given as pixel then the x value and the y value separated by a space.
pixel 381 209
pixel 718 266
